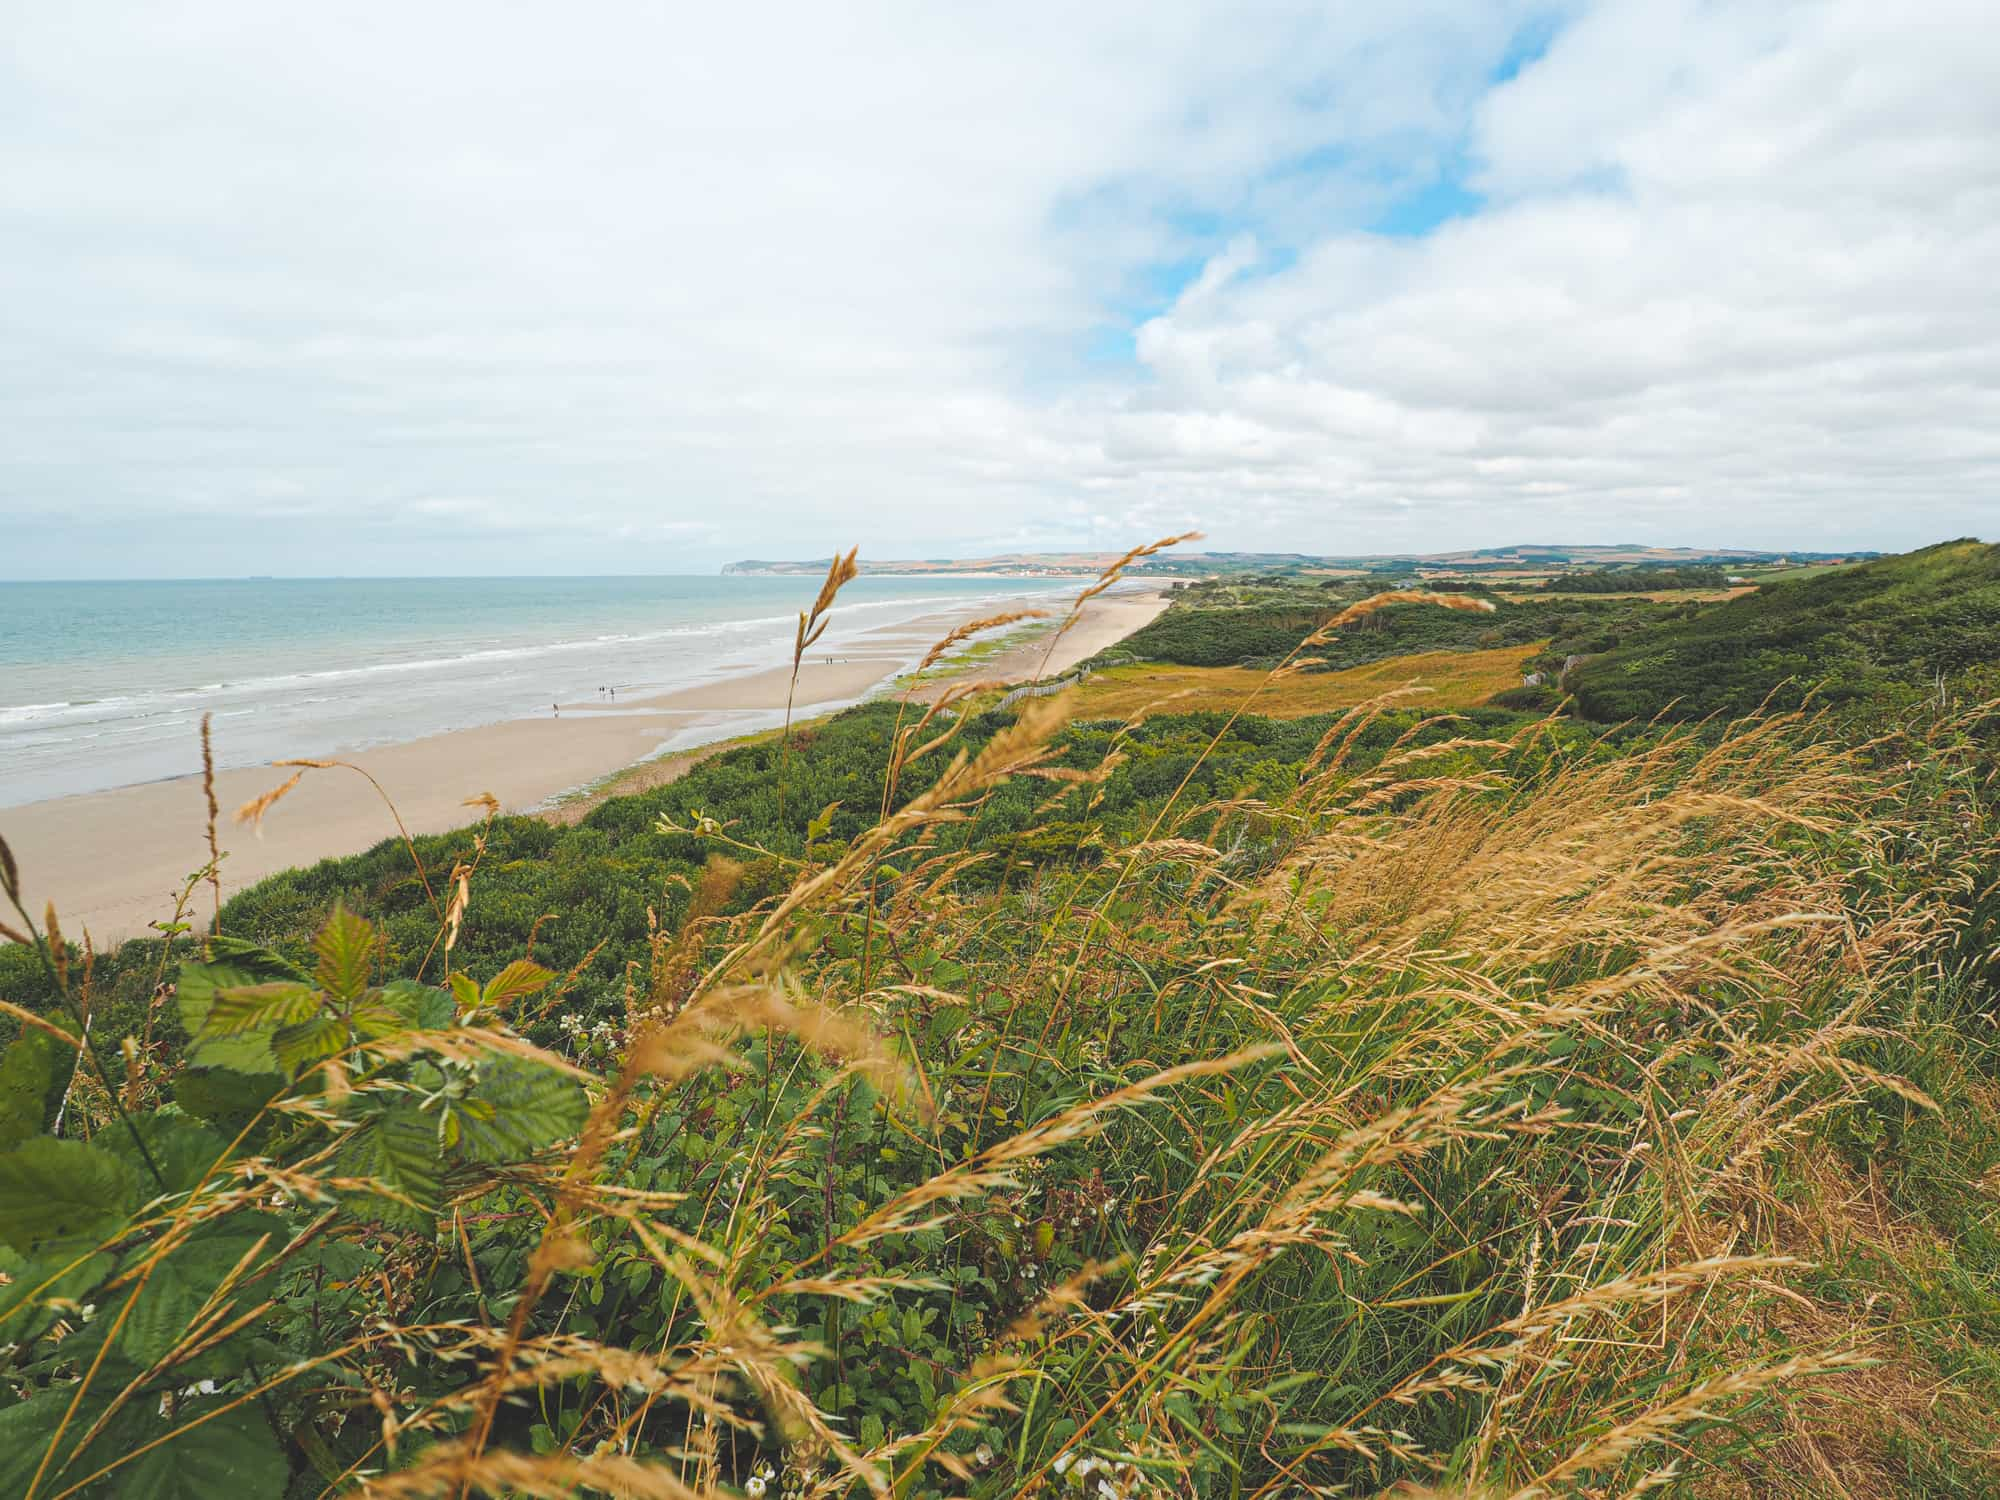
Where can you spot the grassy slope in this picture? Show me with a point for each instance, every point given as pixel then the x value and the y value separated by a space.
pixel 587 894
pixel 1750 976
pixel 1874 632
pixel 1224 625
pixel 1498 949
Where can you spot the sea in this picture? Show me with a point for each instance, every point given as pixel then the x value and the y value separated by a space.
pixel 104 684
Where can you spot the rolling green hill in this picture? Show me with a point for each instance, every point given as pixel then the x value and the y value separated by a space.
pixel 1881 631
pixel 1226 625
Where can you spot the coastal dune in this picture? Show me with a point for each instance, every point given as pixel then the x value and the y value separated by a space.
pixel 112 862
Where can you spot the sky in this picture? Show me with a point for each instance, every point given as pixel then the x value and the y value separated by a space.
pixel 427 288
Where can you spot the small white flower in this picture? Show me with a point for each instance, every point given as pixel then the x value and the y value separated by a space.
pixel 755 1486
pixel 87 1311
pixel 983 1455
pixel 1062 1463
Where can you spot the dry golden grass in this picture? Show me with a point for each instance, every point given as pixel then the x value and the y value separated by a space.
pixel 1454 679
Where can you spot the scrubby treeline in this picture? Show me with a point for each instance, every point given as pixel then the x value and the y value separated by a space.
pixel 1627 580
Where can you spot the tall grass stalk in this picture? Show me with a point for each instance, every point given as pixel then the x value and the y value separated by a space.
pixel 812 625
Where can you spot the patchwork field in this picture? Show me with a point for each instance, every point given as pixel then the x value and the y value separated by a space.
pixel 1452 679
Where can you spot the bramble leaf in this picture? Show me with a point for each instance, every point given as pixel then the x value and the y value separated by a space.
pixel 181 1148
pixel 226 1099
pixel 178 1287
pixel 239 1009
pixel 58 1190
pixel 518 979
pixel 196 990
pixel 423 1007
pixel 34 1281
pixel 398 1153
pixel 299 1047
pixel 464 991
pixel 161 1311
pixel 28 1075
pixel 234 1453
pixel 25 1431
pixel 524 1107
pixel 253 959
pixel 374 1017
pixel 346 947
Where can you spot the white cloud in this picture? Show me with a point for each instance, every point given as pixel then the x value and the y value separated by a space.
pixel 644 287
pixel 1735 284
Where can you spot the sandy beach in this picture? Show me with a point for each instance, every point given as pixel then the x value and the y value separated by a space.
pixel 113 861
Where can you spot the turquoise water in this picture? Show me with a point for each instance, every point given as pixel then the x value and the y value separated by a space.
pixel 103 684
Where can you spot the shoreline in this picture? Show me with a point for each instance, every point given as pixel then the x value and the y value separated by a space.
pixel 113 861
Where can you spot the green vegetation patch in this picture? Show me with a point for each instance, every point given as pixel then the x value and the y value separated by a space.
pixel 1879 633
pixel 1636 580
pixel 1222 624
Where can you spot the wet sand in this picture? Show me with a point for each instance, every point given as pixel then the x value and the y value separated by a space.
pixel 112 862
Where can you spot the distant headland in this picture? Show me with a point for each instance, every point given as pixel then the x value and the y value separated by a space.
pixel 1488 560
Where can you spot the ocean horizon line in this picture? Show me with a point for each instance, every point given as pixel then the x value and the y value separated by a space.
pixel 102 681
